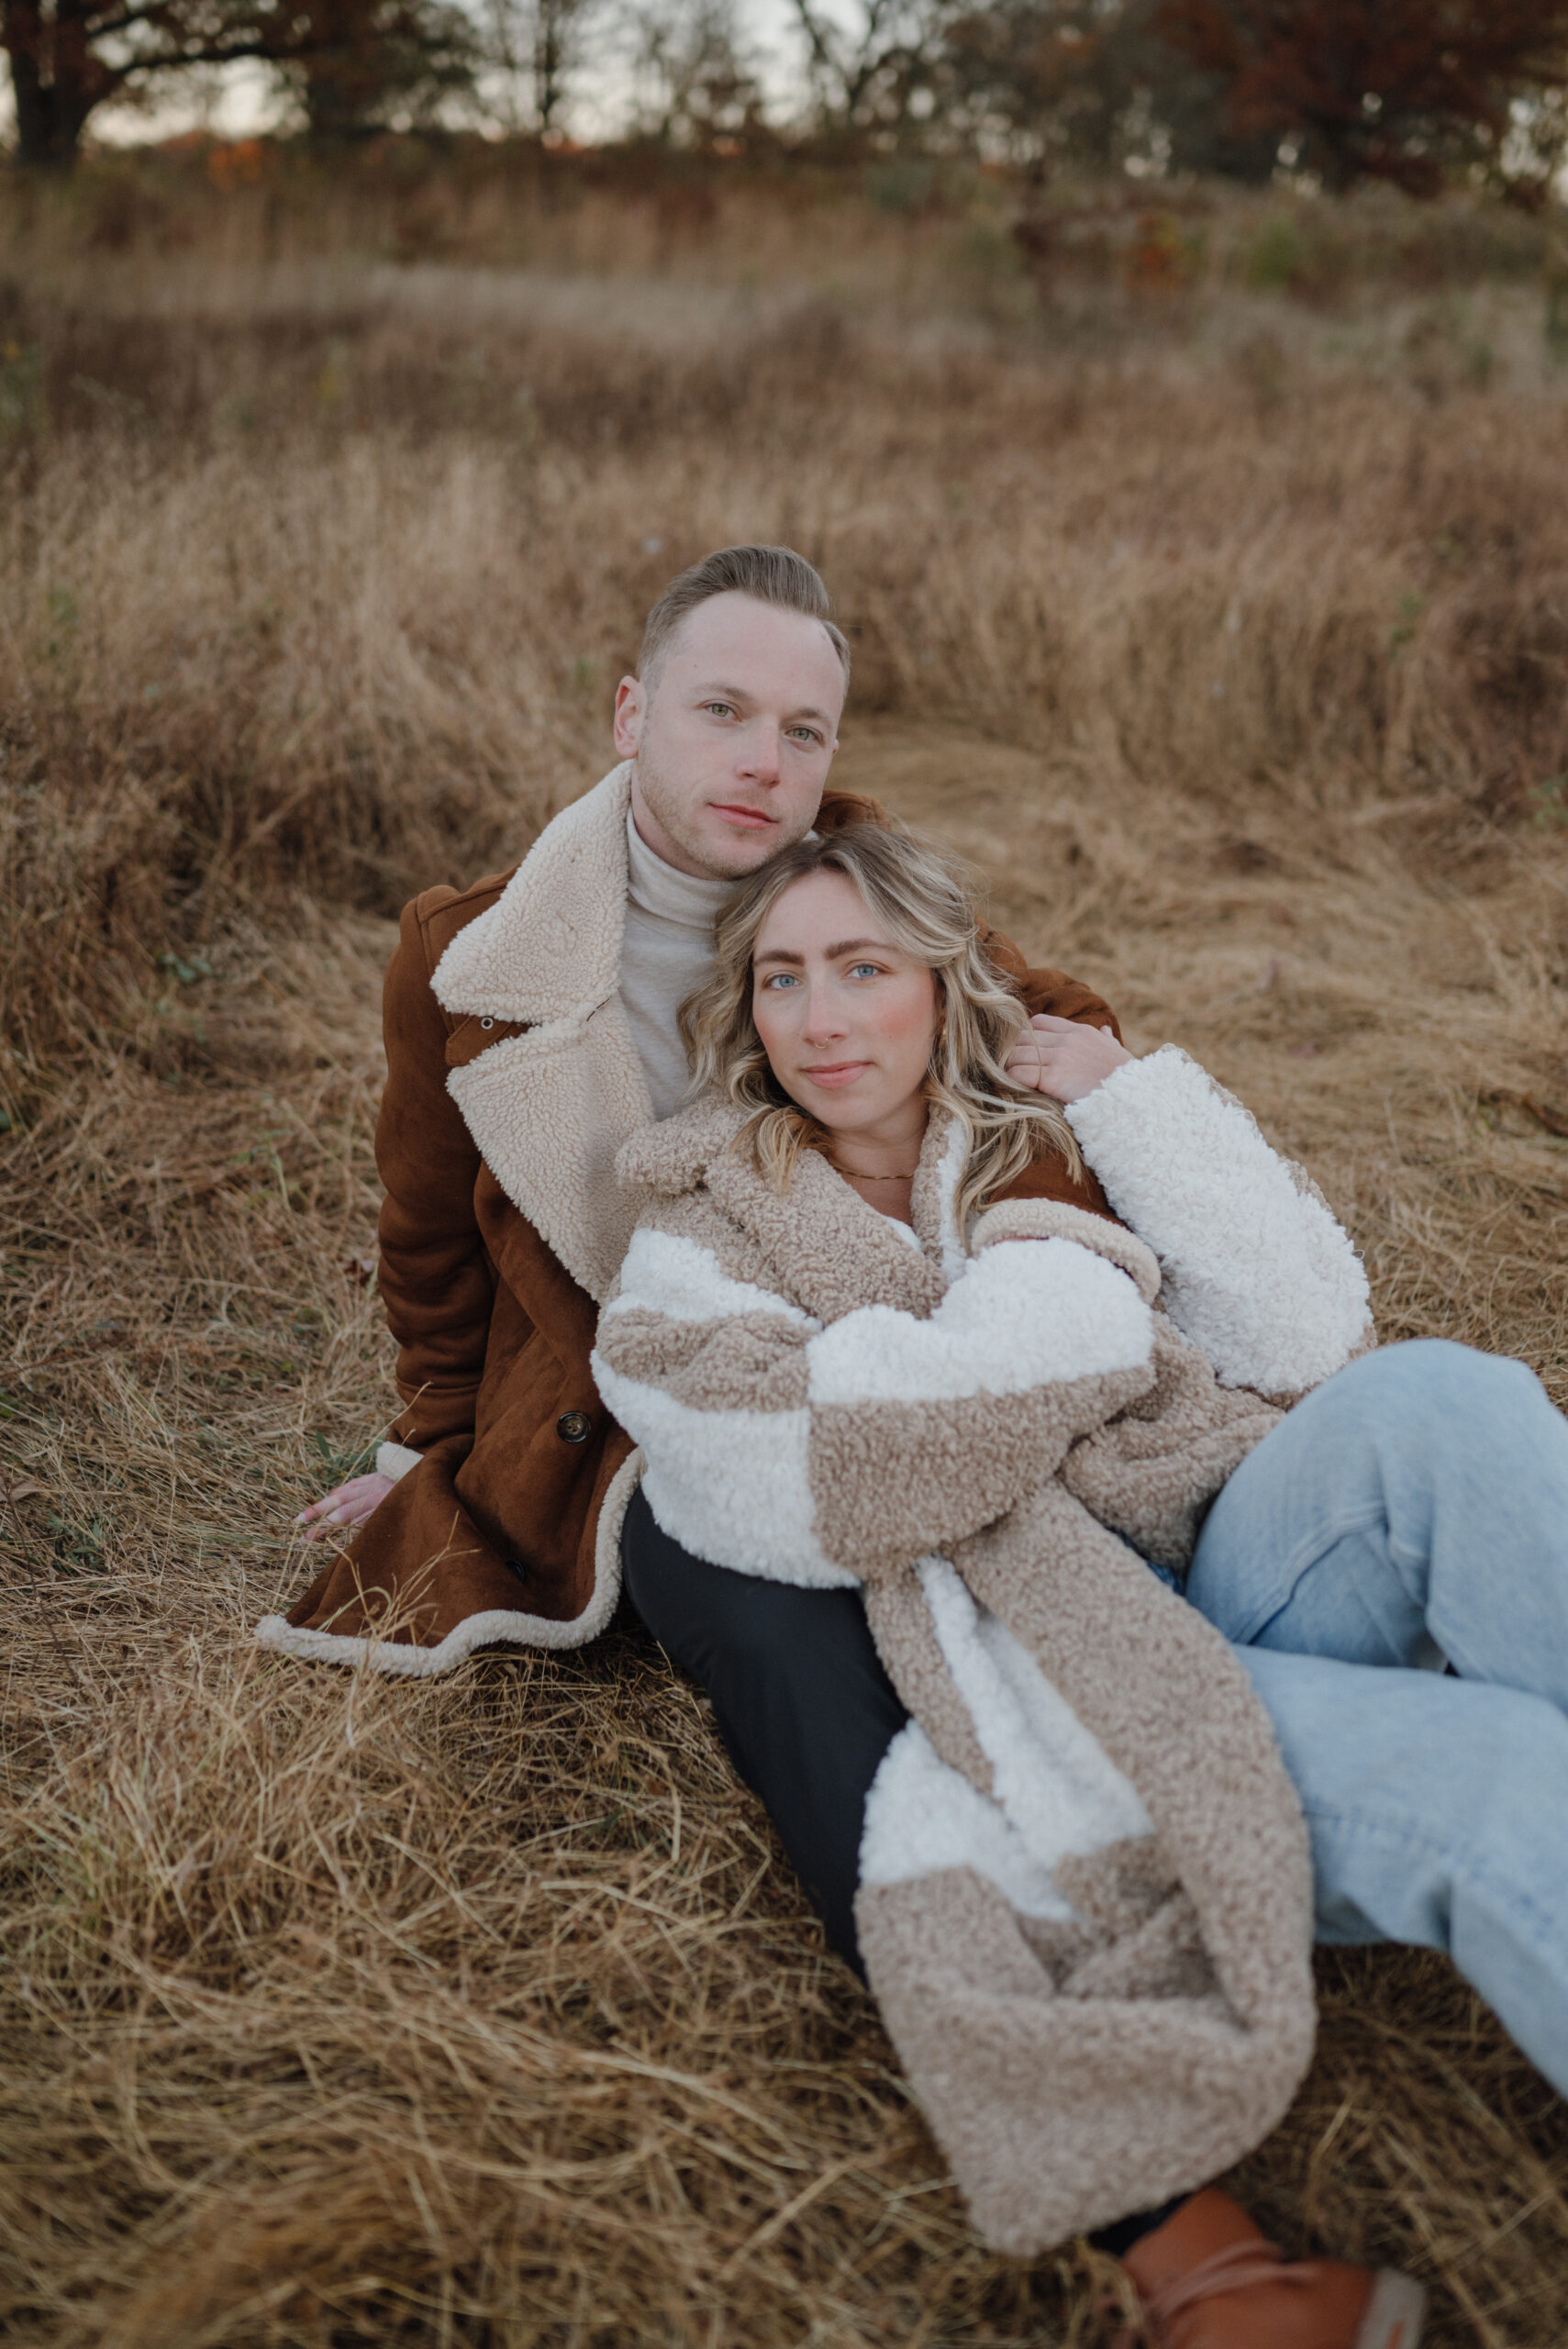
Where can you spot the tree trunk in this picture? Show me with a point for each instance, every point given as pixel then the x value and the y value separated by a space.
pixel 55 77
pixel 553 44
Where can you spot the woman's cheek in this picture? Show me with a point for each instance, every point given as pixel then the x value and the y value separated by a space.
pixel 908 1020
pixel 770 1015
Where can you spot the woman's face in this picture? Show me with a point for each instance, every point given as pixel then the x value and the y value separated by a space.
pixel 846 1017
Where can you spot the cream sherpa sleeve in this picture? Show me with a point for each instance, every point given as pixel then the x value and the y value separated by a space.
pixel 1257 1271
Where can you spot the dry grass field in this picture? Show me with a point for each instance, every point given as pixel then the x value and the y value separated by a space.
pixel 1228 636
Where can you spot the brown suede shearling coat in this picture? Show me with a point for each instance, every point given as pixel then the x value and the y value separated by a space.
pixel 512 1083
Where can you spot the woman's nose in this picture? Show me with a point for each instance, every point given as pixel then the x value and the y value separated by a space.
pixel 824 1019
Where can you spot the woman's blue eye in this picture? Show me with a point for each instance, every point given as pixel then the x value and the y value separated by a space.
pixel 856 968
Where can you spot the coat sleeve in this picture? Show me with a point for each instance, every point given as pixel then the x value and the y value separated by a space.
pixel 826 1455
pixel 436 1280
pixel 1043 989
pixel 1257 1271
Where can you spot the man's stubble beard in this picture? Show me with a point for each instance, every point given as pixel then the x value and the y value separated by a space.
pixel 667 805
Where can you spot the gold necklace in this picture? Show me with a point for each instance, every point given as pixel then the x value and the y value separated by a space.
pixel 850 1174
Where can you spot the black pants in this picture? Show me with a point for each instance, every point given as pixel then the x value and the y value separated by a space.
pixel 805 1711
pixel 798 1692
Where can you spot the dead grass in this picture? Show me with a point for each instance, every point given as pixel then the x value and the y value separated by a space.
pixel 486 2013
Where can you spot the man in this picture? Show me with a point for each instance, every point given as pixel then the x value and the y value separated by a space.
pixel 530 1028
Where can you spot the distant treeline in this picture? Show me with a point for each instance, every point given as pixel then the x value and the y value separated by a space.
pixel 1418 93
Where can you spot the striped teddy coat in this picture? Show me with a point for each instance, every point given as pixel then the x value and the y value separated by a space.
pixel 1086 1897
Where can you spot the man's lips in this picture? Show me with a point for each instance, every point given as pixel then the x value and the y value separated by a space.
pixel 752 818
pixel 835 1073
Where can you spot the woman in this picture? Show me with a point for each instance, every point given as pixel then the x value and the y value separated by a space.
pixel 892 1363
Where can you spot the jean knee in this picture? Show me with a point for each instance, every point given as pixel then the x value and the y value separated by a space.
pixel 1437 1373
pixel 1481 1770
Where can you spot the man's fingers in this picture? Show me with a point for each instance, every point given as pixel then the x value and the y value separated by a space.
pixel 328 1520
pixel 336 1507
pixel 346 1504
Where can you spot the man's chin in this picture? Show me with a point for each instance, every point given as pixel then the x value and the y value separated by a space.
pixel 731 852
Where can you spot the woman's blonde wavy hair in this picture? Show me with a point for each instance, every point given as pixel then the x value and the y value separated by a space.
pixel 917 893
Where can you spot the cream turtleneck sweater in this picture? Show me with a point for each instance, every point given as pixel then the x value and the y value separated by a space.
pixel 668 950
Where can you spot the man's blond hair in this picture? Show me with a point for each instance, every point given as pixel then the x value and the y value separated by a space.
pixel 774 575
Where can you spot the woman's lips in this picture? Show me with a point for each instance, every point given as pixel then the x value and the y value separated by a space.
pixel 836 1073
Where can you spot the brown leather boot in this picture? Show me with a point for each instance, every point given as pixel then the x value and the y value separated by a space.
pixel 1209 2280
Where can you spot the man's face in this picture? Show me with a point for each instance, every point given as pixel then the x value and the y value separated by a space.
pixel 732 748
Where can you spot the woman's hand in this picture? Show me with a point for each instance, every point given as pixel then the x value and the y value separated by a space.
pixel 1063 1057
pixel 345 1505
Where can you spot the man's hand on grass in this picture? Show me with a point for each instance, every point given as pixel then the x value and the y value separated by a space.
pixel 1063 1057
pixel 345 1505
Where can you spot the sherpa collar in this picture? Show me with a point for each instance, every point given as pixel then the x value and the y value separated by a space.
pixel 550 1108
pixel 833 1251
pixel 549 947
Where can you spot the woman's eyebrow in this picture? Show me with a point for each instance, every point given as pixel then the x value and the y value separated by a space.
pixel 831 954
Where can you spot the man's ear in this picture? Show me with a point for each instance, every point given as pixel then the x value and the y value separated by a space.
pixel 631 708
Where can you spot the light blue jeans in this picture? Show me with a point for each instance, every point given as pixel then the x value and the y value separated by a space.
pixel 1419 1497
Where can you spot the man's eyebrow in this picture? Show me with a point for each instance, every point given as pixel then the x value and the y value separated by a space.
pixel 738 692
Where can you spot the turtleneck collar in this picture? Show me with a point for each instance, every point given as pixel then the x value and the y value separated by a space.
pixel 681 898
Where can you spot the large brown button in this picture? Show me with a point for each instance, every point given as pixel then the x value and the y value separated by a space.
pixel 574 1427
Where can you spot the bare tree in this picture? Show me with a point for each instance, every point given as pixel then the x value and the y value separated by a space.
pixel 881 75
pixel 69 56
pixel 370 61
pixel 698 88
pixel 538 46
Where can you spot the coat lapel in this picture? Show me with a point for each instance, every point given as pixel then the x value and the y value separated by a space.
pixel 549 1110
pixel 834 1252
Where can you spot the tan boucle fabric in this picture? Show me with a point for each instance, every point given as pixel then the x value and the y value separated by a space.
pixel 859 1405
pixel 901 1625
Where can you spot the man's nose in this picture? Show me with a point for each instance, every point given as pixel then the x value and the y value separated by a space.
pixel 760 753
